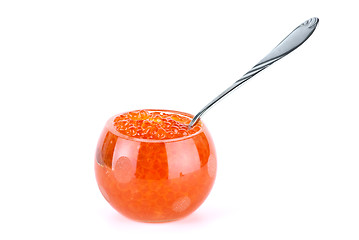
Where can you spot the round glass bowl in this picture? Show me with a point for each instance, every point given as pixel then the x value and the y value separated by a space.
pixel 155 180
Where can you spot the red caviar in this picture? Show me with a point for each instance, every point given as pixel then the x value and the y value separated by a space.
pixel 154 125
pixel 151 168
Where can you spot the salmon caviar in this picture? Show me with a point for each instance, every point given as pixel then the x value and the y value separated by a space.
pixel 154 125
pixel 151 175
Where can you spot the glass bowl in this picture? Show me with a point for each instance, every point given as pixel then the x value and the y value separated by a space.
pixel 152 180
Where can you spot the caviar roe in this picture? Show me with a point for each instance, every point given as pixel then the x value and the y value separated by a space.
pixel 154 125
pixel 156 180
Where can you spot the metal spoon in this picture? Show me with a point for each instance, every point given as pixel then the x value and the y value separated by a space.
pixel 287 45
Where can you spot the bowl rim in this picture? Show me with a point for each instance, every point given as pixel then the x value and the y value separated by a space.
pixel 111 127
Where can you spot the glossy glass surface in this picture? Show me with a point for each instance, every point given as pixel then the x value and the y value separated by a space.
pixel 155 180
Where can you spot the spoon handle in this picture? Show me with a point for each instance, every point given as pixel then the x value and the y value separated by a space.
pixel 287 45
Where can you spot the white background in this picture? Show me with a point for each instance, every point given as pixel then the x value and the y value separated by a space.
pixel 287 141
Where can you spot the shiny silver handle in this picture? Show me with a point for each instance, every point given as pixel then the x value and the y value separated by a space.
pixel 296 38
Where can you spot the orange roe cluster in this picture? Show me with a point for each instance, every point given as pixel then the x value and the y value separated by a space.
pixel 156 125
